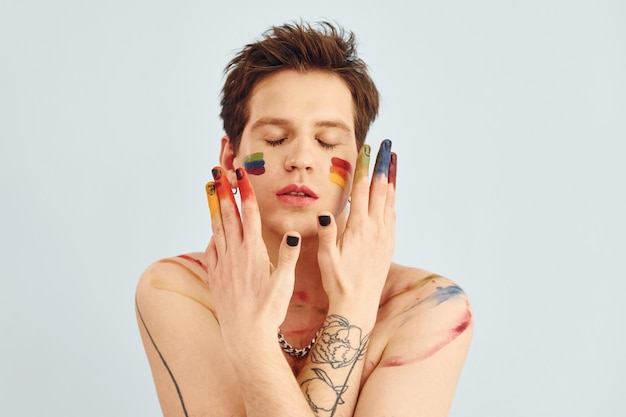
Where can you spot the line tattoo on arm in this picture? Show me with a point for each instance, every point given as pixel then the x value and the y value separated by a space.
pixel 340 345
pixel 180 395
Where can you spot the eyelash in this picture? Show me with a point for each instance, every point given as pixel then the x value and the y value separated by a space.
pixel 279 142
pixel 275 142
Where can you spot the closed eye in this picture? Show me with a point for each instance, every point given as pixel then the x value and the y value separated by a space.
pixel 325 145
pixel 275 142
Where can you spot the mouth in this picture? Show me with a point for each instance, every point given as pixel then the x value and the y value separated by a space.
pixel 296 195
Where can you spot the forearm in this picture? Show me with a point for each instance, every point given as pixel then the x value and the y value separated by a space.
pixel 268 385
pixel 330 380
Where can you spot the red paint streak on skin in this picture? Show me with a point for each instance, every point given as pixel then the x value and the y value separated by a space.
pixel 301 295
pixel 194 260
pixel 398 360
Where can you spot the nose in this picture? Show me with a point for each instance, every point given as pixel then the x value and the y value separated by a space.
pixel 300 156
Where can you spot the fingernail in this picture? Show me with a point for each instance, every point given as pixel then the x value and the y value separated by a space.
pixel 387 145
pixel 324 220
pixel 210 188
pixel 367 150
pixel 216 173
pixel 293 240
pixel 239 173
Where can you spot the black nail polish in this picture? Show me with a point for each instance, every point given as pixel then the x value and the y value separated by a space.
pixel 324 220
pixel 239 173
pixel 293 240
pixel 216 173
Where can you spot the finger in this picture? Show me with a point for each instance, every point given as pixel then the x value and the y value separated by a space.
pixel 217 227
pixel 380 180
pixel 210 255
pixel 231 219
pixel 288 254
pixel 327 251
pixel 250 215
pixel 390 211
pixel 360 183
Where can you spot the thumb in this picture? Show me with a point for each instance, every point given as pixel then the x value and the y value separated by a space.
pixel 288 254
pixel 327 251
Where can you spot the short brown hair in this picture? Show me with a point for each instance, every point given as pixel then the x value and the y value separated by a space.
pixel 302 47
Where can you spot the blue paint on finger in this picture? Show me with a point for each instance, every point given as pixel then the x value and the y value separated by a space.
pixel 383 159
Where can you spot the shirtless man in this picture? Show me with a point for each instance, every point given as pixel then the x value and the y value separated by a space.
pixel 295 308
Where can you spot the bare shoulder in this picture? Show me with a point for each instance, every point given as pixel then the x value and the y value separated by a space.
pixel 182 340
pixel 421 313
pixel 184 274
pixel 418 346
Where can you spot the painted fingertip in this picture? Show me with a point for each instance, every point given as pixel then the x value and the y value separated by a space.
pixel 383 158
pixel 393 167
pixel 217 174
pixel 210 188
pixel 293 241
pixel 324 220
pixel 239 173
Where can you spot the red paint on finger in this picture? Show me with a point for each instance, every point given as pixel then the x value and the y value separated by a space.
pixel 222 185
pixel 393 165
pixel 245 187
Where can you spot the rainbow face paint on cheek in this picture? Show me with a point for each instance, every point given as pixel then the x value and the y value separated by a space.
pixel 254 164
pixel 340 171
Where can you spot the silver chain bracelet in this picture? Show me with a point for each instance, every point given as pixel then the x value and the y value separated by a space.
pixel 296 353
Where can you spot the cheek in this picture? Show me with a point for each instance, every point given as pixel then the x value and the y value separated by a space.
pixel 340 172
pixel 254 164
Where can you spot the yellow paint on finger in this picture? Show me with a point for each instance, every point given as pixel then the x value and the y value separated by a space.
pixel 213 199
pixel 362 164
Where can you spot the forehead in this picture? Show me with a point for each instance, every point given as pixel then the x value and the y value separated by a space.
pixel 310 97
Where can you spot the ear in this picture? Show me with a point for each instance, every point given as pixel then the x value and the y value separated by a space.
pixel 227 160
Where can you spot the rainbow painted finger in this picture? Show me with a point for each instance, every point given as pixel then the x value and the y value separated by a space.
pixel 362 164
pixel 222 187
pixel 340 171
pixel 214 203
pixel 393 167
pixel 245 188
pixel 254 164
pixel 383 159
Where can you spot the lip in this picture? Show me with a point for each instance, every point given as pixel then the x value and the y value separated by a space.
pixel 305 197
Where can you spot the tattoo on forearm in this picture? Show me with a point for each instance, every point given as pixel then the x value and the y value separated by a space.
pixel 339 345
pixel 180 395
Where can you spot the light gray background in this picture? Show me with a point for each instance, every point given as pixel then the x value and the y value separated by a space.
pixel 508 118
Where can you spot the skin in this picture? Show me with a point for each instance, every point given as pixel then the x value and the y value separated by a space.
pixel 208 320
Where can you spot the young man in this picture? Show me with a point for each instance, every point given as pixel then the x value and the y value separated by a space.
pixel 295 308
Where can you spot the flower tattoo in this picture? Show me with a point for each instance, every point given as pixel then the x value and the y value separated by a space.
pixel 341 343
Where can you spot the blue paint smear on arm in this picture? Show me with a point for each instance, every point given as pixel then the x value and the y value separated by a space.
pixel 441 295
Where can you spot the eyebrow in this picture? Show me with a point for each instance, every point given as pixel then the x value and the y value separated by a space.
pixel 272 121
